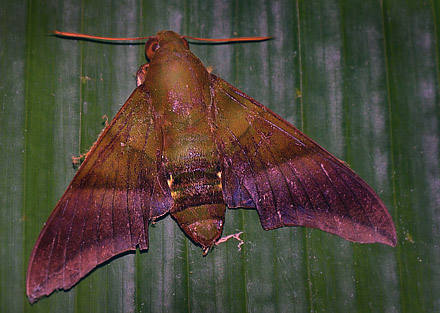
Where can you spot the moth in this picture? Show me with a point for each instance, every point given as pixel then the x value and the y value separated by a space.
pixel 189 144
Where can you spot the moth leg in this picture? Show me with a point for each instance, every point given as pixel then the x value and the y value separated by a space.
pixel 210 69
pixel 141 74
pixel 105 118
pixel 235 236
pixel 77 160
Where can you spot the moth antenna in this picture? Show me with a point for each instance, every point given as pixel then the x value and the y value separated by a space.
pixel 237 39
pixel 77 35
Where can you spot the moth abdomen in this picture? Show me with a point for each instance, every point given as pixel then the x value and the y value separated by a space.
pixel 198 206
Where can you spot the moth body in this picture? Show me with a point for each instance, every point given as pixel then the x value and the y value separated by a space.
pixel 180 93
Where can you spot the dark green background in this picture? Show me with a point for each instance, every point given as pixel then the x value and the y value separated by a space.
pixel 360 77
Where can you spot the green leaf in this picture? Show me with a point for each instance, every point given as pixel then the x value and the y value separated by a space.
pixel 360 77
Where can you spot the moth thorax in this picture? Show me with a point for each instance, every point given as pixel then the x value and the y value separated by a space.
pixel 203 223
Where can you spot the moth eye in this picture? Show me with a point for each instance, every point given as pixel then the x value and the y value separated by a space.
pixel 151 46
pixel 185 43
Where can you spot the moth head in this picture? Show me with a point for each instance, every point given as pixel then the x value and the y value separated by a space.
pixel 165 38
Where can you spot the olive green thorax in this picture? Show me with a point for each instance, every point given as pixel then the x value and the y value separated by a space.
pixel 177 79
pixel 180 90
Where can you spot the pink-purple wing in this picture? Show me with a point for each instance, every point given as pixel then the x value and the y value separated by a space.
pixel 270 165
pixel 106 209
